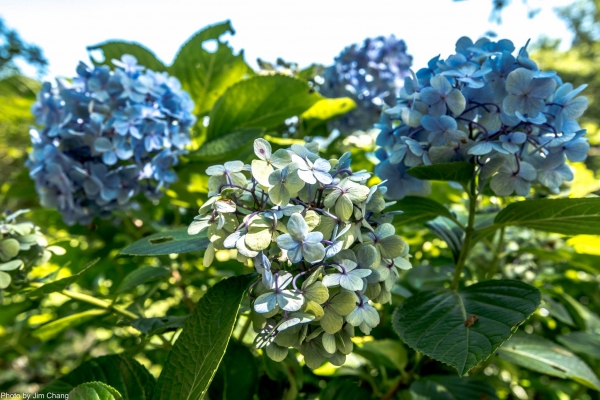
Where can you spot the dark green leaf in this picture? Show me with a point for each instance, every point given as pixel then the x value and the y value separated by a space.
pixel 582 342
pixel 61 284
pixel 566 216
pixel 237 376
pixel 141 276
pixel 344 389
pixel 194 360
pixel 52 329
pixel 260 102
pixel 153 326
pixel 206 75
pixel 113 50
pixel 124 374
pixel 167 242
pixel 460 171
pixel 464 328
pixel 446 387
pixel 541 355
pixel 231 146
pixel 94 391
pixel 417 210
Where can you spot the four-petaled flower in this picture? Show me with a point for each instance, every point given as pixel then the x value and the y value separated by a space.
pixel 300 243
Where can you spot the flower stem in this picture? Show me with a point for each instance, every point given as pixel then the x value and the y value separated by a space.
pixel 470 228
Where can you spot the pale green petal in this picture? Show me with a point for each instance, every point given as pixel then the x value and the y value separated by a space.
pixel 317 292
pixel 16 264
pixel 329 342
pixel 258 240
pixel 391 247
pixel 331 198
pixel 4 280
pixel 351 282
pixel 297 227
pixel 276 353
pixel 312 219
pixel 343 208
pixel 358 194
pixel 343 303
pixel 9 248
pixel 209 255
pixel 331 322
pixel 313 252
pixel 265 302
pixel 385 230
pixel 262 149
pixel 312 278
pixel 279 194
pixel 281 158
pixel 366 256
pixel 261 171
pixel 311 307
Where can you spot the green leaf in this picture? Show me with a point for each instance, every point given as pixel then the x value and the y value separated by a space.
pixel 52 329
pixel 541 355
pixel 61 284
pixel 237 376
pixel 94 391
pixel 154 326
pixel 344 389
pixel 416 210
pixel 446 387
pixel 194 360
pixel 235 145
pixel 557 310
pixel 582 342
pixel 260 102
pixel 464 328
pixel 325 110
pixel 141 276
pixel 461 172
pixel 449 232
pixel 113 50
pixel 167 242
pixel 566 216
pixel 124 374
pixel 386 352
pixel 206 75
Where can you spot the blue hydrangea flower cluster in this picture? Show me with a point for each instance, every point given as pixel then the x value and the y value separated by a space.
pixel 484 105
pixel 371 74
pixel 107 136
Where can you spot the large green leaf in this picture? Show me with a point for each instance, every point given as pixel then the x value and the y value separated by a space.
pixel 446 387
pixel 323 111
pixel 94 391
pixel 60 284
pixel 124 374
pixel 206 75
pixel 237 376
pixel 194 360
pixel 566 216
pixel 464 328
pixel 260 102
pixel 541 355
pixel 52 329
pixel 235 145
pixel 460 171
pixel 582 342
pixel 167 242
pixel 114 49
pixel 416 210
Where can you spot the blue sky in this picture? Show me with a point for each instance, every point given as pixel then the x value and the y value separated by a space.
pixel 303 31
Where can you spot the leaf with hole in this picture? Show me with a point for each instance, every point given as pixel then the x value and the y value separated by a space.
pixel 114 49
pixel 195 357
pixel 541 355
pixel 167 242
pixel 463 328
pixel 126 375
pixel 206 74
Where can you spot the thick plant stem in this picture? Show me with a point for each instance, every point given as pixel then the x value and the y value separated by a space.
pixel 470 228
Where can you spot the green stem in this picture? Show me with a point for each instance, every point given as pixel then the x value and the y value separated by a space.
pixel 470 228
pixel 497 252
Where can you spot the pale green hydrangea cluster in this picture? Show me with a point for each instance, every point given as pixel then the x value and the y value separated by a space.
pixel 22 246
pixel 318 236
